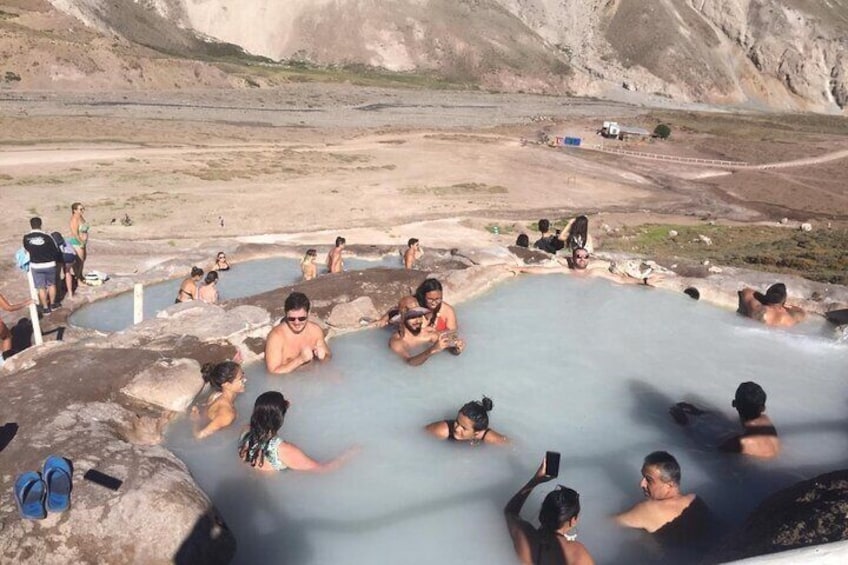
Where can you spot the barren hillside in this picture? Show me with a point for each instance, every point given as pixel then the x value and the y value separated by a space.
pixel 781 54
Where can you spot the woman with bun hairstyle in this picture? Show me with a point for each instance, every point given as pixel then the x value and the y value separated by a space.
pixel 471 425
pixel 264 450
pixel 227 382
pixel 188 288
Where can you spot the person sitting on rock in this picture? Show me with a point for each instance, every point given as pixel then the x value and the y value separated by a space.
pixel 523 240
pixel 670 515
pixel 471 425
pixel 575 235
pixel 295 341
pixel 547 242
pixel 769 308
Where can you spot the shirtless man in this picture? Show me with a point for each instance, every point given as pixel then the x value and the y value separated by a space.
pixel 414 334
pixel 580 264
pixel 335 264
pixel 412 254
pixel 769 308
pixel 295 341
pixel 667 508
pixel 759 438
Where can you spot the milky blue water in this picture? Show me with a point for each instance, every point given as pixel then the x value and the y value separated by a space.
pixel 243 279
pixel 580 367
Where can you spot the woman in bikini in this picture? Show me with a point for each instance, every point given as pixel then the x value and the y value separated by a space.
pixel 471 425
pixel 429 295
pixel 208 293
pixel 79 236
pixel 260 446
pixel 221 263
pixel 227 381
pixel 188 288
pixel 308 266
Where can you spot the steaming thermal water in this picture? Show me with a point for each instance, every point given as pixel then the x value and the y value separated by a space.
pixel 243 279
pixel 575 366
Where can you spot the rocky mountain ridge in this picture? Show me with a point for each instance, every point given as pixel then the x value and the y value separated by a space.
pixel 778 54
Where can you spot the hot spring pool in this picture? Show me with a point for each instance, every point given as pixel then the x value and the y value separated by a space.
pixel 243 279
pixel 575 366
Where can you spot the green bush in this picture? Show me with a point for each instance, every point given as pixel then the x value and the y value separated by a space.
pixel 662 131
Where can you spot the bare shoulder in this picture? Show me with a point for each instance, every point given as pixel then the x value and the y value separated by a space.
pixel 438 429
pixel 576 553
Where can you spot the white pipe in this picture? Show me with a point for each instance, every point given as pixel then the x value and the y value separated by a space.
pixel 33 309
pixel 138 303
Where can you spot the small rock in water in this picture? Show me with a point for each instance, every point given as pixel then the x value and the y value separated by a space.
pixel 806 226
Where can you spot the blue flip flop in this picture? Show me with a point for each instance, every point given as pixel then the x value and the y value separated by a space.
pixel 30 492
pixel 57 476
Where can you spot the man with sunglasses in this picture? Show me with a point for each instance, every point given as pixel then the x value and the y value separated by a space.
pixel 295 341
pixel 580 264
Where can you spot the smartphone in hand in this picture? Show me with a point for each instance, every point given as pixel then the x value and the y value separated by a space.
pixel 102 479
pixel 552 464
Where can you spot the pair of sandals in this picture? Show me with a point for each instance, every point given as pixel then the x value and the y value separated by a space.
pixel 50 490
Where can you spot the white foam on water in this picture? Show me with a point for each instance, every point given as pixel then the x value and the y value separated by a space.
pixel 580 367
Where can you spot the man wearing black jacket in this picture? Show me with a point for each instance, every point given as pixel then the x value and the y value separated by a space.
pixel 43 255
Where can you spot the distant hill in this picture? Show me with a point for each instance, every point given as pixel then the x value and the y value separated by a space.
pixel 780 54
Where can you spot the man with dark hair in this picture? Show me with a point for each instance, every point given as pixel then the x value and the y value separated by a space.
pixel 547 242
pixel 295 341
pixel 769 308
pixel 414 334
pixel 412 253
pixel 759 438
pixel 669 514
pixel 43 255
pixel 335 264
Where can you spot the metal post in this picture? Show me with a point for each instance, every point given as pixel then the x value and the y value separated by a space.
pixel 138 303
pixel 33 309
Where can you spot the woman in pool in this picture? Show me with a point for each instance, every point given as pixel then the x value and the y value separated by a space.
pixel 188 288
pixel 576 235
pixel 471 425
pixel 429 295
pixel 208 293
pixel 264 450
pixel 221 263
pixel 227 381
pixel 553 542
pixel 308 266
pixel 79 236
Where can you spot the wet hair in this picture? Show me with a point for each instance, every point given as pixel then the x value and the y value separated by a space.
pixel 560 505
pixel 523 240
pixel 35 223
pixel 776 294
pixel 578 233
pixel 667 465
pixel 269 411
pixel 296 301
pixel 75 206
pixel 217 374
pixel 692 292
pixel 412 241
pixel 211 276
pixel 310 253
pixel 750 400
pixel 478 412
pixel 196 272
pixel 544 226
pixel 340 241
pixel 429 285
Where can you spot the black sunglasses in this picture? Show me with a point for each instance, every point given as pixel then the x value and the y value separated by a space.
pixel 296 318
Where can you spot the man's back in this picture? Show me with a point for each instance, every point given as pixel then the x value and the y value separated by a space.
pixel 41 247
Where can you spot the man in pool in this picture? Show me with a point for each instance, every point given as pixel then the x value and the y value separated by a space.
pixel 415 334
pixel 769 308
pixel 295 341
pixel 335 263
pixel 580 264
pixel 412 254
pixel 667 513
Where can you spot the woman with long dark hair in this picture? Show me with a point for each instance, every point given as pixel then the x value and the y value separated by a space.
pixel 265 450
pixel 576 235
pixel 227 382
pixel 429 295
pixel 554 542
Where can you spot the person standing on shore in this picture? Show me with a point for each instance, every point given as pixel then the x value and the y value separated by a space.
pixel 79 236
pixel 43 255
pixel 5 333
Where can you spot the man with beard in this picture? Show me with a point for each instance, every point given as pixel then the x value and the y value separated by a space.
pixel 295 341
pixel 414 333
